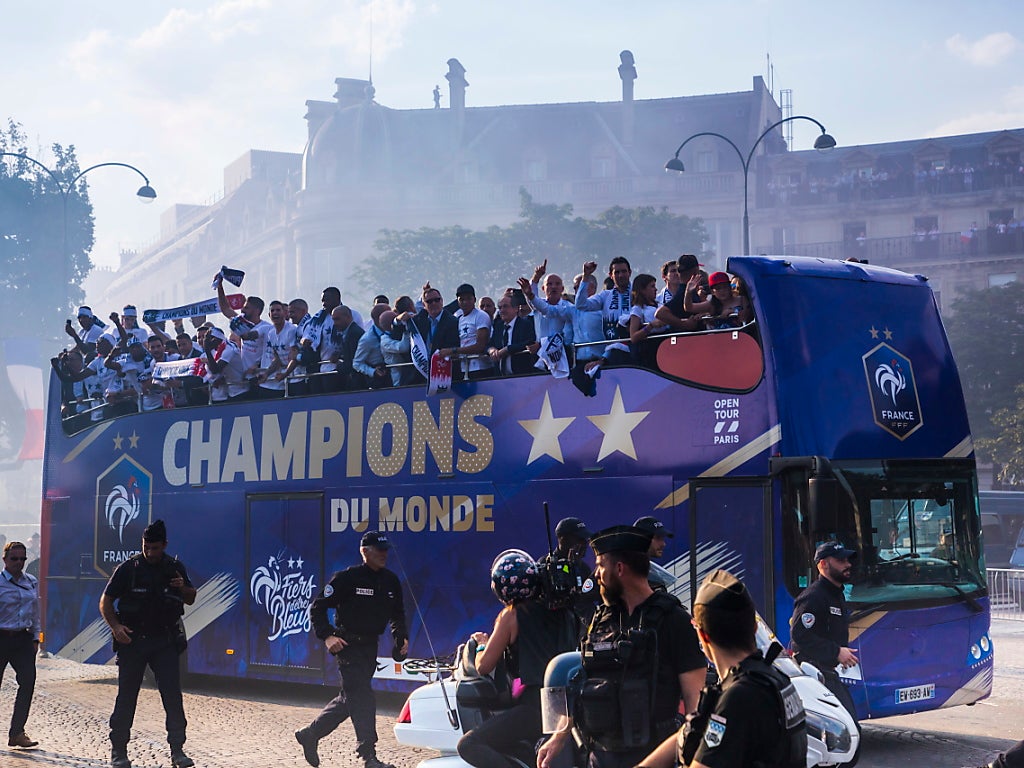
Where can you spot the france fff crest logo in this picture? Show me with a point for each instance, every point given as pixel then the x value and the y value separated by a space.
pixel 123 507
pixel 893 389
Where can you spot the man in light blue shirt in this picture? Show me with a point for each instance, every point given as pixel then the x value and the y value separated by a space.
pixel 369 358
pixel 19 636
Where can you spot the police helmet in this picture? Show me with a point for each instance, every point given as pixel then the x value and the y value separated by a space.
pixel 514 576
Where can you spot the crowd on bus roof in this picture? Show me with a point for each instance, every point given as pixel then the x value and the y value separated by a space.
pixel 268 351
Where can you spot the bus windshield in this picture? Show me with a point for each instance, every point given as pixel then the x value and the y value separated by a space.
pixel 915 526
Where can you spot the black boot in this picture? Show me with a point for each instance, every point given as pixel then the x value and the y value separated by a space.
pixel 308 740
pixel 374 762
pixel 179 759
pixel 119 757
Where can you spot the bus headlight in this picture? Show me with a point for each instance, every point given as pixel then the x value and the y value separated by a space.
pixel 832 733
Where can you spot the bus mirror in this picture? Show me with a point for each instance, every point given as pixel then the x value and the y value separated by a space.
pixel 823 500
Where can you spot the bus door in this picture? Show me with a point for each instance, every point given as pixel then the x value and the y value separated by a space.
pixel 284 568
pixel 730 527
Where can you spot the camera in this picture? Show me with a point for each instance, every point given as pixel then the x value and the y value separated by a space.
pixel 559 583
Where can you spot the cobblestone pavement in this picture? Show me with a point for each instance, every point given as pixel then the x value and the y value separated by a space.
pixel 229 725
pixel 250 725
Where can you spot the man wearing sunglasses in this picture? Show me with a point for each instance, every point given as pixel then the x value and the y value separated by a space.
pixel 437 327
pixel 19 636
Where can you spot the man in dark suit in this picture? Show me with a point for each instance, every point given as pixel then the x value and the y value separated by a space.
pixel 347 334
pixel 437 327
pixel 513 339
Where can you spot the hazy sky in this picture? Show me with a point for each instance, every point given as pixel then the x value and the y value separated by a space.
pixel 181 89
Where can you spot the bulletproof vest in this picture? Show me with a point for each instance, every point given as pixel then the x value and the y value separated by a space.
pixel 791 749
pixel 150 605
pixel 621 668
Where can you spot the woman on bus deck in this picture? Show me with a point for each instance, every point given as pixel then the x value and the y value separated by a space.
pixel 642 324
pixel 725 308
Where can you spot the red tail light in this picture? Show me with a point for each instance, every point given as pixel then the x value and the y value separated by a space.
pixel 405 716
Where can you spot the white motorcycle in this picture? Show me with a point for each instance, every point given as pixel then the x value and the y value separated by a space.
pixel 436 715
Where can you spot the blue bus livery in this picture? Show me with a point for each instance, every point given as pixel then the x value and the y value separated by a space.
pixel 841 415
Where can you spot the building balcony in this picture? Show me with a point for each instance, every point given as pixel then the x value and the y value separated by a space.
pixel 902 252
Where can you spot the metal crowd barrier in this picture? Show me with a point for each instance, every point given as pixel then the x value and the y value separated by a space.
pixel 1006 593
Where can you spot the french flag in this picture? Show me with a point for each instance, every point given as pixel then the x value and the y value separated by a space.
pixel 22 362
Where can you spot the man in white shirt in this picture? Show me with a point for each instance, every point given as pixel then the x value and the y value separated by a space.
pixel 281 350
pixel 474 334
pixel 224 370
pixel 251 329
pixel 613 302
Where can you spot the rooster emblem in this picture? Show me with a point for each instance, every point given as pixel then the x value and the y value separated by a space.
pixel 266 582
pixel 890 380
pixel 122 506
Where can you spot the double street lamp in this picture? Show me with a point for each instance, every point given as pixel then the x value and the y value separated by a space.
pixel 146 194
pixel 823 143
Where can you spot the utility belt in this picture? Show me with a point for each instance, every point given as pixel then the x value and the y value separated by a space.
pixel 354 638
pixel 659 731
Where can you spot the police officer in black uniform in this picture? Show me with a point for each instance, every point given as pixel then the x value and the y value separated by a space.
pixel 365 598
pixel 143 604
pixel 528 632
pixel 1011 758
pixel 641 658
pixel 820 626
pixel 753 716
pixel 572 535
pixel 658 577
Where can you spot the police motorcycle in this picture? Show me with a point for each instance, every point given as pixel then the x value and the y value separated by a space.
pixel 832 735
pixel 438 714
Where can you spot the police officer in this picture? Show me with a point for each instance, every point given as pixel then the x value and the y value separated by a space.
pixel 820 627
pixel 572 535
pixel 659 577
pixel 365 598
pixel 528 633
pixel 753 716
pixel 641 658
pixel 19 636
pixel 142 604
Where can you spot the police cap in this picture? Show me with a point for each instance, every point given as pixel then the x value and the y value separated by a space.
pixel 723 591
pixel 155 531
pixel 377 539
pixel 621 538
pixel 833 549
pixel 572 526
pixel 653 526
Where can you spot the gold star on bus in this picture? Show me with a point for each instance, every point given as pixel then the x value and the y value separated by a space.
pixel 618 426
pixel 545 430
pixel 133 440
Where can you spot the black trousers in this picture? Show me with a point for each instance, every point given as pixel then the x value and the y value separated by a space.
pixel 356 699
pixel 504 733
pixel 835 684
pixel 1011 758
pixel 20 652
pixel 158 652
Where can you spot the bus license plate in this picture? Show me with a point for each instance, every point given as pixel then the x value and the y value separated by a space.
pixel 916 693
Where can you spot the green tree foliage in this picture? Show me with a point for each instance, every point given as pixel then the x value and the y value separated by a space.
pixel 1007 447
pixel 986 333
pixel 492 259
pixel 40 272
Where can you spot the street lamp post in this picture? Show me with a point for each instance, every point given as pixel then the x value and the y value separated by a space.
pixel 823 144
pixel 146 194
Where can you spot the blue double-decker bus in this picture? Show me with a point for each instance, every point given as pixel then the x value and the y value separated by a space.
pixel 838 413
